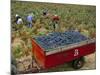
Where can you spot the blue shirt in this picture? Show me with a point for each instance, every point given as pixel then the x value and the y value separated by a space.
pixel 29 18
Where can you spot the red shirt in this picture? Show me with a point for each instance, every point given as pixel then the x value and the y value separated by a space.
pixel 55 18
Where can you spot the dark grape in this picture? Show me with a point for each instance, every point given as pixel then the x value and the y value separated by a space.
pixel 57 39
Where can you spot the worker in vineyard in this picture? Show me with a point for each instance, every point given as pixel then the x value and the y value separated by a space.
pixel 43 16
pixel 55 22
pixel 18 19
pixel 45 13
pixel 30 20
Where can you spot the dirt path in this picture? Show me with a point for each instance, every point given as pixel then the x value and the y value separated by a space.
pixel 90 62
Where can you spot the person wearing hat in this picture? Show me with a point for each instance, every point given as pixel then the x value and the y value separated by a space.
pixel 18 19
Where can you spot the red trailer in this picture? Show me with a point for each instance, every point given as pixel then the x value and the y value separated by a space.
pixel 68 53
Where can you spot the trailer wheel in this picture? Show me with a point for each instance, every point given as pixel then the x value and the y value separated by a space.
pixel 78 63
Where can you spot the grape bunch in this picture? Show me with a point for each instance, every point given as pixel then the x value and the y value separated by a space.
pixel 57 39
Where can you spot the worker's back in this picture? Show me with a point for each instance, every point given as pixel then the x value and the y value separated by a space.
pixel 20 21
pixel 29 18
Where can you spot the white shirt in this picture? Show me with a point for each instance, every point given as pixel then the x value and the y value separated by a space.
pixel 20 21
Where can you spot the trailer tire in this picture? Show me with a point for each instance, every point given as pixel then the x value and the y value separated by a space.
pixel 78 63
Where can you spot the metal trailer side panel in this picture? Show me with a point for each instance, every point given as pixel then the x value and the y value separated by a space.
pixel 69 55
pixel 38 53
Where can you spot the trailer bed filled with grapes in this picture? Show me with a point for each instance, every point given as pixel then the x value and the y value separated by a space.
pixel 60 47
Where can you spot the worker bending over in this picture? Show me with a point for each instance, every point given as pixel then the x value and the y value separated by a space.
pixel 55 22
pixel 30 20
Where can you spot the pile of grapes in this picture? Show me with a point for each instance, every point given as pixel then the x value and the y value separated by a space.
pixel 57 39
